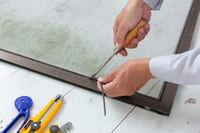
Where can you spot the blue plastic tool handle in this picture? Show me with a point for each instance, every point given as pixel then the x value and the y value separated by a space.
pixel 22 104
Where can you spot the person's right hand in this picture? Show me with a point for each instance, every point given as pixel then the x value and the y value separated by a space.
pixel 127 20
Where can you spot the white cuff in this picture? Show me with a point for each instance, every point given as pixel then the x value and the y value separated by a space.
pixel 154 4
pixel 160 67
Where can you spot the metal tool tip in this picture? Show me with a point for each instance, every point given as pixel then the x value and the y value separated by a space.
pixel 93 76
pixel 66 127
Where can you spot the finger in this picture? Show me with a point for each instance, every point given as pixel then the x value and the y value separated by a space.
pixel 121 33
pixel 109 88
pixel 123 52
pixel 98 85
pixel 115 27
pixel 133 43
pixel 141 33
pixel 146 15
pixel 106 79
pixel 112 95
pixel 147 28
pixel 108 92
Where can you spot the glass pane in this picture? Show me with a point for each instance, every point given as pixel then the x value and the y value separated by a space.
pixel 77 34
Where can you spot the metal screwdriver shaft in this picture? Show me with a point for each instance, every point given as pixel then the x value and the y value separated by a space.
pixel 93 76
pixel 129 37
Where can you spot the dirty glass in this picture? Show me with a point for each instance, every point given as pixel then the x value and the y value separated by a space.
pixel 76 35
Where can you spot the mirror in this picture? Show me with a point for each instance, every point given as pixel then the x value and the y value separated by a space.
pixel 76 35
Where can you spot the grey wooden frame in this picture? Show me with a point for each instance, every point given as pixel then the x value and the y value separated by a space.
pixel 162 105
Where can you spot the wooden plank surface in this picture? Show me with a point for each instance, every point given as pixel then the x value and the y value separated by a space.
pixel 84 109
pixel 184 117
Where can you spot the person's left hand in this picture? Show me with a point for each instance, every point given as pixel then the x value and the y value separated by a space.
pixel 126 79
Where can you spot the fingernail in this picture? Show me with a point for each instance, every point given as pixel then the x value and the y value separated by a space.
pixel 100 79
pixel 117 45
pixel 142 31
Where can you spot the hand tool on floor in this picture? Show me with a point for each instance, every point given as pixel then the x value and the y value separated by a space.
pixel 129 37
pixel 103 96
pixel 41 120
pixel 67 127
pixel 22 104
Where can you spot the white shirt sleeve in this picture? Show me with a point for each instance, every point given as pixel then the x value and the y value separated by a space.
pixel 154 4
pixel 178 68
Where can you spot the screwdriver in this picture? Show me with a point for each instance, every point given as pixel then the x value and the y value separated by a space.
pixel 129 37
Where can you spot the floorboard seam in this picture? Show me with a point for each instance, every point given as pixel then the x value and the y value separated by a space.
pixel 11 74
pixel 123 119
pixel 68 92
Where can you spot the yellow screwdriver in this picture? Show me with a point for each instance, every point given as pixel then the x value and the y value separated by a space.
pixel 129 37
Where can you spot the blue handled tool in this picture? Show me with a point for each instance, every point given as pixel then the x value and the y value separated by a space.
pixel 22 104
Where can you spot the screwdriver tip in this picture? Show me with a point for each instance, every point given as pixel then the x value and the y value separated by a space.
pixel 92 77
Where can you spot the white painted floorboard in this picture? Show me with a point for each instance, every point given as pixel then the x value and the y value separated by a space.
pixel 184 118
pixel 83 108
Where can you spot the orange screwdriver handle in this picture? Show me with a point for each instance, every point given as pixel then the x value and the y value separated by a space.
pixel 133 33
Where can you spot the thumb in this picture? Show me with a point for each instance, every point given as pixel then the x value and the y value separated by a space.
pixel 106 79
pixel 120 37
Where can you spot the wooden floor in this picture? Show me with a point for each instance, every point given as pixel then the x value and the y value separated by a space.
pixel 84 108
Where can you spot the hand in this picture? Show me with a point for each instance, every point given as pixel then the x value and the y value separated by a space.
pixel 126 79
pixel 127 20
